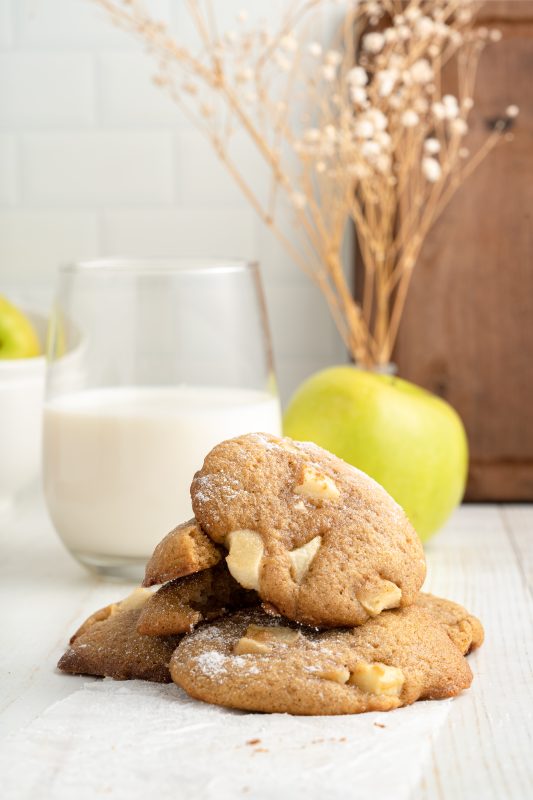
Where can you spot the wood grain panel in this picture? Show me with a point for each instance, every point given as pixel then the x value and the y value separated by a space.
pixel 482 560
pixel 467 333
pixel 506 10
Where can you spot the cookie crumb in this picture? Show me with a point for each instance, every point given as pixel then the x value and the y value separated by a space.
pixel 253 741
pixel 379 725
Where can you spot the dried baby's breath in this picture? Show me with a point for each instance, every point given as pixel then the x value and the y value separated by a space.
pixel 352 129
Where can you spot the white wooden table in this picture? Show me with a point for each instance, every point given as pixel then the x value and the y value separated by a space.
pixel 483 558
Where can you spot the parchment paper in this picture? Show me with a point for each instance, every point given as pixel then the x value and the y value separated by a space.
pixel 138 740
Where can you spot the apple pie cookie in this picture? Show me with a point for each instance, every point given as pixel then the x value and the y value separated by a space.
pixel 184 551
pixel 180 605
pixel 254 662
pixel 465 630
pixel 108 645
pixel 320 541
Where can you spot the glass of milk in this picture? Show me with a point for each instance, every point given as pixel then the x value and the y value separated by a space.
pixel 150 364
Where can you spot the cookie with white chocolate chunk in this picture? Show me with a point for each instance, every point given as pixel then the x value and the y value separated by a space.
pixel 319 540
pixel 184 551
pixel 108 645
pixel 465 630
pixel 182 604
pixel 254 662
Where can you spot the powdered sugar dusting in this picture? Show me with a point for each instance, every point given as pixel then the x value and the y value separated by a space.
pixel 214 664
pixel 209 487
pixel 266 440
pixel 211 663
pixel 209 633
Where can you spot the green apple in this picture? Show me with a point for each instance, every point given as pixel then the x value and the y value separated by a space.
pixel 18 338
pixel 407 439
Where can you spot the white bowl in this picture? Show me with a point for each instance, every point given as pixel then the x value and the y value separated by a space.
pixel 21 403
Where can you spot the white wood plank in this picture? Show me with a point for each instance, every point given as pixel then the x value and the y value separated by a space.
pixel 44 595
pixel 482 559
pixel 485 749
pixel 518 521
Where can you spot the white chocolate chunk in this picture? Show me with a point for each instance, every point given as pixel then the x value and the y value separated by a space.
pixel 302 557
pixel 244 559
pixel 135 600
pixel 259 639
pixel 316 485
pixel 377 599
pixel 336 674
pixel 246 645
pixel 378 679
pixel 289 447
pixel 272 633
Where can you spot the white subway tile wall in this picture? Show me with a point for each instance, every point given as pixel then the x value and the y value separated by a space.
pixel 182 231
pixel 46 90
pixel 98 168
pixel 95 160
pixel 74 24
pixel 33 242
pixel 9 183
pixel 6 28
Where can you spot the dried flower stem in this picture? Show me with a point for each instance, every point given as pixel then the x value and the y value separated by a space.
pixel 358 129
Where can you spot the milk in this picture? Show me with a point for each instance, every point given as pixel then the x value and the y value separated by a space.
pixel 118 463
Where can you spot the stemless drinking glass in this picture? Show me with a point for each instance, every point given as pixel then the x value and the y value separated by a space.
pixel 150 364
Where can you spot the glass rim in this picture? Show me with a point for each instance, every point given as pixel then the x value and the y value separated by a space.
pixel 179 265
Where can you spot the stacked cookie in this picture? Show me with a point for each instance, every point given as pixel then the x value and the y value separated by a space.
pixel 296 588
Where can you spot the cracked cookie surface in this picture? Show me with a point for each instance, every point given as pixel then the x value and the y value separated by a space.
pixel 253 662
pixel 319 540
